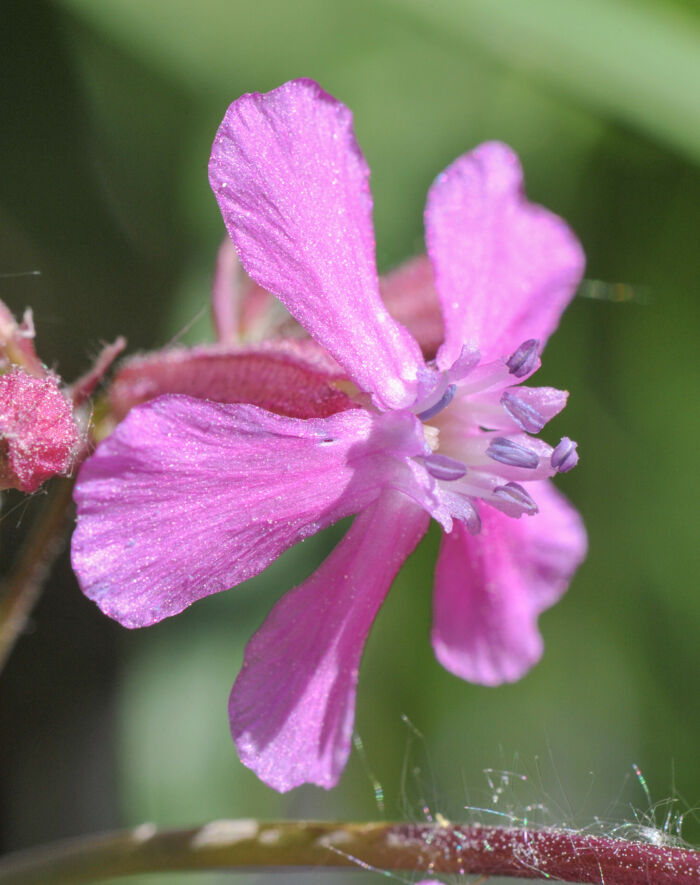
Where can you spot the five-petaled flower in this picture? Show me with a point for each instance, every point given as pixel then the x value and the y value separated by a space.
pixel 189 497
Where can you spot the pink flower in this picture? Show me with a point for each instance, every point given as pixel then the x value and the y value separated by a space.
pixel 189 497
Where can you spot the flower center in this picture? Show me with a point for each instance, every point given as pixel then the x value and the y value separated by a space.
pixel 478 423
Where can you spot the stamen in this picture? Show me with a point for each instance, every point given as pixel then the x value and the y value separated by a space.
pixel 467 513
pixel 468 358
pixel 472 520
pixel 524 415
pixel 524 359
pixel 514 500
pixel 444 467
pixel 514 455
pixel 444 400
pixel 564 457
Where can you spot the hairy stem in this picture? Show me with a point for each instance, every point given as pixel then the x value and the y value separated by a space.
pixel 21 590
pixel 238 845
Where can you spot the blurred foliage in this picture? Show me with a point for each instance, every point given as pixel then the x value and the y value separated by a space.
pixel 109 110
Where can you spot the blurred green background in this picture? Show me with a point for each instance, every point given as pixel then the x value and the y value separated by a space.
pixel 108 113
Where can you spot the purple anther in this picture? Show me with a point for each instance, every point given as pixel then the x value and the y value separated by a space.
pixel 564 456
pixel 507 452
pixel 444 467
pixel 524 359
pixel 524 415
pixel 469 515
pixel 444 400
pixel 513 500
pixel 468 358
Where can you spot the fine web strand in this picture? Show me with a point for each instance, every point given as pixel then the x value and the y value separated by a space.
pixel 529 799
pixel 377 788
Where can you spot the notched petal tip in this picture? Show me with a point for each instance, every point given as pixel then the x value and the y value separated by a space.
pixel 505 268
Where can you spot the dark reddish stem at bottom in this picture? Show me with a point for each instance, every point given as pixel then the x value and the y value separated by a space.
pixel 22 588
pixel 425 849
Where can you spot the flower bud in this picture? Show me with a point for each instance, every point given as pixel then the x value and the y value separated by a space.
pixel 39 437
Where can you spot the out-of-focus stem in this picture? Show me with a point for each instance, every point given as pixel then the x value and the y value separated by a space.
pixel 238 845
pixel 20 591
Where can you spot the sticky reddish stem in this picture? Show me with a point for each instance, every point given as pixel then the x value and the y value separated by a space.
pixel 426 849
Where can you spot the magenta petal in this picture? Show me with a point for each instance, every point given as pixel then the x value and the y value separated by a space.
pixel 241 310
pixel 293 188
pixel 490 588
pixel 505 269
pixel 409 294
pixel 189 497
pixel 226 294
pixel 293 704
pixel 557 543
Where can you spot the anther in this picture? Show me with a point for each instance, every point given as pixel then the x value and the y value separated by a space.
pixel 444 401
pixel 468 358
pixel 510 453
pixel 514 500
pixel 564 456
pixel 472 520
pixel 469 515
pixel 524 359
pixel 524 415
pixel 444 467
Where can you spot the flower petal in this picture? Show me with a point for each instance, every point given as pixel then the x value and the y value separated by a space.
pixel 491 587
pixel 189 497
pixel 241 310
pixel 409 294
pixel 226 294
pixel 293 188
pixel 292 378
pixel 557 544
pixel 505 269
pixel 293 704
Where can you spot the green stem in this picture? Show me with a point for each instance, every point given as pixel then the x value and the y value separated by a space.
pixel 23 586
pixel 239 845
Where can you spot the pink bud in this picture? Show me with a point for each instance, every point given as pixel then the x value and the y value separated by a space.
pixel 39 437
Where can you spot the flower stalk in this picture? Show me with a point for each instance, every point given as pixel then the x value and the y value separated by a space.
pixel 435 849
pixel 22 589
